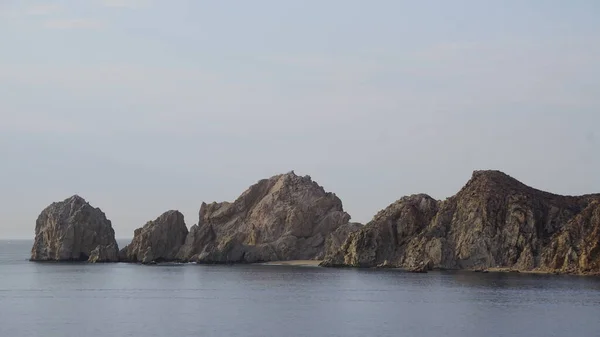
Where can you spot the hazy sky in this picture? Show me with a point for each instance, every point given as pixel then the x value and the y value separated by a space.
pixel 145 106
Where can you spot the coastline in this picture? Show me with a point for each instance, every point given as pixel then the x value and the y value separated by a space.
pixel 505 270
pixel 537 271
pixel 298 263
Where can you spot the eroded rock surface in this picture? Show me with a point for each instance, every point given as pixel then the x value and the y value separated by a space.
pixel 285 217
pixel 494 221
pixel 108 253
pixel 71 230
pixel 157 241
pixel 336 239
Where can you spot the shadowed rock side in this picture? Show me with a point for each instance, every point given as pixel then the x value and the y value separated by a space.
pixel 73 230
pixel 576 247
pixel 158 241
pixel 494 221
pixel 286 217
pixel 337 238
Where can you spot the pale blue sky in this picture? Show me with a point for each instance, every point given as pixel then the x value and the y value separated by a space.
pixel 144 106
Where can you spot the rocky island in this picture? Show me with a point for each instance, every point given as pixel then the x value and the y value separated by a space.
pixel 285 217
pixel 73 230
pixel 494 221
pixel 157 241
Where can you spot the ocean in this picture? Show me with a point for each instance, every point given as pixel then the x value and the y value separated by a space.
pixel 111 300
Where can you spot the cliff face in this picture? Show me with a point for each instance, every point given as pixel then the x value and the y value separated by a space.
pixel 158 240
pixel 576 248
pixel 493 221
pixel 285 217
pixel 73 230
pixel 337 238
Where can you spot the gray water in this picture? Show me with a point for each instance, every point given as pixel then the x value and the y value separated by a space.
pixel 106 300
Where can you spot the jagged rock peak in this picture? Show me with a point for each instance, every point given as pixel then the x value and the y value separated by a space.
pixel 280 185
pixel 76 198
pixel 171 218
pixel 492 179
pixel 490 174
pixel 284 217
pixel 71 230
pixel 422 202
pixel 292 178
pixel 498 183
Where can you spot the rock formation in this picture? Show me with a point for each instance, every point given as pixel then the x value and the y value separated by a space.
pixel 108 253
pixel 493 221
pixel 73 230
pixel 158 241
pixel 285 217
pixel 576 247
pixel 336 238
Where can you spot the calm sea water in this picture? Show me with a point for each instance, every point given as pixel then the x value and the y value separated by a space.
pixel 106 300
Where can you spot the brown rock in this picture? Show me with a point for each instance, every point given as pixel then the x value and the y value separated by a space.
pixel 158 241
pixel 420 268
pixel 379 240
pixel 73 230
pixel 285 217
pixel 337 238
pixel 108 253
pixel 576 247
pixel 493 221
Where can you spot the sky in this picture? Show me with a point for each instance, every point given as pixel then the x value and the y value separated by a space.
pixel 143 106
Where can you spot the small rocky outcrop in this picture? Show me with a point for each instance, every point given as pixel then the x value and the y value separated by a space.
pixel 108 253
pixel 422 267
pixel 157 241
pixel 73 230
pixel 285 217
pixel 338 237
pixel 376 243
pixel 495 221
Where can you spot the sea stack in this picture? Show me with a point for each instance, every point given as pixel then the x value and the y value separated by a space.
pixel 158 240
pixel 493 221
pixel 285 217
pixel 73 230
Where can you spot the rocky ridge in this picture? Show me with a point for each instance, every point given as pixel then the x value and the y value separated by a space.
pixel 285 217
pixel 493 221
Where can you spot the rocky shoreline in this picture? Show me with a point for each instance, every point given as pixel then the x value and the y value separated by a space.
pixel 493 224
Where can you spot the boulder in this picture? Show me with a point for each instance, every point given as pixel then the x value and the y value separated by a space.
pixel 157 241
pixel 285 217
pixel 71 230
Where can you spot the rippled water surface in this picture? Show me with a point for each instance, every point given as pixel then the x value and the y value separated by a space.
pixel 105 300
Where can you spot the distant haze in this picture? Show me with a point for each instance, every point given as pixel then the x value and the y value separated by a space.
pixel 145 106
